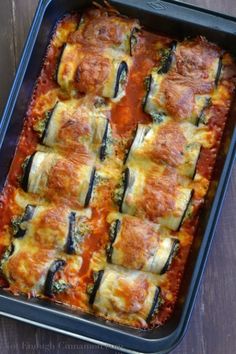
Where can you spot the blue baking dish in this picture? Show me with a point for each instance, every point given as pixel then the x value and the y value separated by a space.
pixel 172 18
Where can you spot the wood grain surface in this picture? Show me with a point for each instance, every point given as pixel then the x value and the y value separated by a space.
pixel 212 329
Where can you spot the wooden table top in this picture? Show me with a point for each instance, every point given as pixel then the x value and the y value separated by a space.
pixel 212 328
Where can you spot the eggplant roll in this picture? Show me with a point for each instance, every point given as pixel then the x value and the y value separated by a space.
pixel 169 142
pixel 88 70
pixel 77 124
pixel 118 293
pixel 101 28
pixel 156 196
pixel 53 227
pixel 52 176
pixel 177 93
pixel 139 244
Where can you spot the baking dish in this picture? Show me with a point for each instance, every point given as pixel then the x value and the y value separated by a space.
pixel 155 15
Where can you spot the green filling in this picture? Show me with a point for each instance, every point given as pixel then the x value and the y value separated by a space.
pixel 40 126
pixel 59 286
pixel 15 224
pixel 5 256
pixel 157 117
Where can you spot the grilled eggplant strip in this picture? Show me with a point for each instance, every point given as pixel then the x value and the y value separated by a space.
pixel 126 182
pixel 219 70
pixel 28 214
pixel 70 246
pixel 90 189
pixel 103 149
pixel 155 306
pixel 173 252
pixel 167 59
pixel 26 172
pixel 98 279
pixel 54 268
pixel 121 79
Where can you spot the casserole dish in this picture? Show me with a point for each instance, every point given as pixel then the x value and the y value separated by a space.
pixel 131 337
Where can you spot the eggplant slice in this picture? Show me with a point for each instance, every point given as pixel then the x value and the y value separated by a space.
pixel 26 172
pixel 98 278
pixel 54 268
pixel 70 246
pixel 113 232
pixel 59 61
pixel 126 181
pixel 121 78
pixel 167 58
pixel 103 149
pixel 201 117
pixel 219 70
pixel 6 255
pixel 90 189
pixel 155 306
pixel 48 118
pixel 28 214
pixel 172 254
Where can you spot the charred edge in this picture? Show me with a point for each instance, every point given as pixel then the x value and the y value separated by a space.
pixel 195 170
pixel 207 105
pixel 70 246
pixel 155 304
pixel 133 38
pixel 173 252
pixel 114 230
pixel 218 73
pixel 104 143
pixel 54 268
pixel 28 214
pixel 149 86
pixel 90 189
pixel 25 178
pixel 59 62
pixel 48 119
pixel 166 64
pixel 126 184
pixel 122 67
pixel 185 211
pixel 128 152
pixel 96 286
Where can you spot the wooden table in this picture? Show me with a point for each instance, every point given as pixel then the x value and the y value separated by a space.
pixel 212 328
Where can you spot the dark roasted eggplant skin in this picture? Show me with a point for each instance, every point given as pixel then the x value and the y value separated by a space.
pixel 219 69
pixel 133 38
pixel 28 214
pixel 167 60
pixel 54 268
pixel 90 189
pixel 185 211
pixel 173 252
pixel 195 170
pixel 201 115
pixel 126 183
pixel 148 82
pixel 96 286
pixel 155 305
pixel 25 178
pixel 70 246
pixel 6 255
pixel 122 67
pixel 104 143
pixel 59 62
pixel 113 232
pixel 48 118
